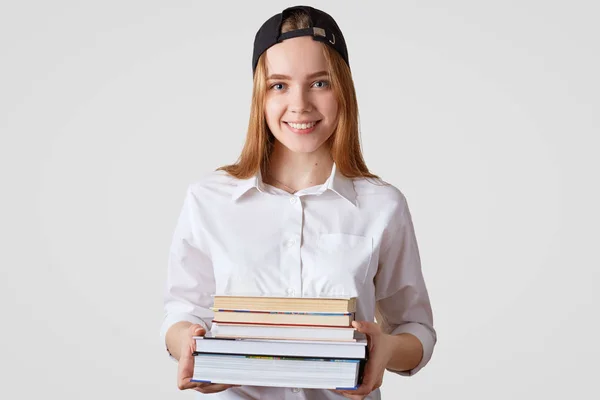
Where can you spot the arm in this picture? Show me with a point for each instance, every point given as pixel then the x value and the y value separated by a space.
pixel 190 279
pixel 407 352
pixel 403 306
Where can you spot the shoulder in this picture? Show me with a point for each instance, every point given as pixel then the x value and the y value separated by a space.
pixel 381 193
pixel 213 180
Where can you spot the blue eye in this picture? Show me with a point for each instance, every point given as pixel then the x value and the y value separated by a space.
pixel 281 86
pixel 324 84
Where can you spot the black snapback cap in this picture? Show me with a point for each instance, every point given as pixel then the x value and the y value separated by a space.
pixel 322 27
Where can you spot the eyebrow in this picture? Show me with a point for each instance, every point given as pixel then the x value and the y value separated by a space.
pixel 314 75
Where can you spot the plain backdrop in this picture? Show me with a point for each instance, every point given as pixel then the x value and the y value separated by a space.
pixel 485 114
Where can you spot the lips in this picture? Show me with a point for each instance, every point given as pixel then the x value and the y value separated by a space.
pixel 298 128
pixel 302 124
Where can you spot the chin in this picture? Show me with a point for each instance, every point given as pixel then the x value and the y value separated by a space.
pixel 306 143
pixel 301 146
pixel 295 148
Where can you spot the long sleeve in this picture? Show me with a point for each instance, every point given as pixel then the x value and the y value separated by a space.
pixel 190 277
pixel 403 304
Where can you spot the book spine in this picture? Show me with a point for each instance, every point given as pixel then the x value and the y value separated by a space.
pixel 328 314
pixel 275 356
pixel 277 324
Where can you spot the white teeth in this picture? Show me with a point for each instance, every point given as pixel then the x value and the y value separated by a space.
pixel 302 126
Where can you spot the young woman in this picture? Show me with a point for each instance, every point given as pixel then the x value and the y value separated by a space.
pixel 300 214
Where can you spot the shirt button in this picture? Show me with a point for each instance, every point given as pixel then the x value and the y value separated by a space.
pixel 290 291
pixel 290 243
pixel 295 390
pixel 293 200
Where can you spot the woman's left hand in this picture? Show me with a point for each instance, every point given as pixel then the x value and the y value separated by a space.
pixel 381 347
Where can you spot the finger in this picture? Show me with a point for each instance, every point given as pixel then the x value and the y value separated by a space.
pixel 196 330
pixel 187 383
pixel 185 368
pixel 366 327
pixel 350 395
pixel 368 380
pixel 354 395
pixel 213 388
pixel 358 393
pixel 200 386
pixel 363 390
pixel 378 384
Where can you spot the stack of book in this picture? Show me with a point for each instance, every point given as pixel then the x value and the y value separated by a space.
pixel 284 342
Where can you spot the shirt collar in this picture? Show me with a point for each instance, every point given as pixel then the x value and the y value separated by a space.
pixel 243 185
pixel 337 183
pixel 341 185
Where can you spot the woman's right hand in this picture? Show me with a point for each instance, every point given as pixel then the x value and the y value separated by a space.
pixel 185 370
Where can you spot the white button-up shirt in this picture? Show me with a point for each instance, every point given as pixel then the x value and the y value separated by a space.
pixel 346 237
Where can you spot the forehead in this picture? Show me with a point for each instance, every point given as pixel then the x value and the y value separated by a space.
pixel 296 57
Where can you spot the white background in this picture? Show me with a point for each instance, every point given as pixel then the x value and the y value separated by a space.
pixel 484 114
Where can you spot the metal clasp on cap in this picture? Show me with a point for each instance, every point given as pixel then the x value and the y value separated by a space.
pixel 321 32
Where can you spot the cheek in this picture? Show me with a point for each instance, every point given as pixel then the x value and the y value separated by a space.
pixel 272 111
pixel 329 107
pixel 334 112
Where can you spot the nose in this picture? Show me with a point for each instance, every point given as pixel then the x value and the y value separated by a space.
pixel 299 100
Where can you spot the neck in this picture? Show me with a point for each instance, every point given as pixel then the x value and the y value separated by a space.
pixel 292 171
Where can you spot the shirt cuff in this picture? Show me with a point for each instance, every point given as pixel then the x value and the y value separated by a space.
pixel 427 339
pixel 172 319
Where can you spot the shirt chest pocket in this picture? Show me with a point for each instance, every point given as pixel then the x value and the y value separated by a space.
pixel 341 264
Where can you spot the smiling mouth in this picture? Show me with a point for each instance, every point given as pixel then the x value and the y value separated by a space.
pixel 302 126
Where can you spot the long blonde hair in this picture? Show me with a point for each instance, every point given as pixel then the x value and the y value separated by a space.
pixel 345 141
